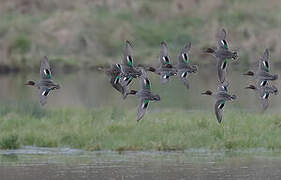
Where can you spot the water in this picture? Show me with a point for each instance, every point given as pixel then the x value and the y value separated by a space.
pixel 92 89
pixel 66 164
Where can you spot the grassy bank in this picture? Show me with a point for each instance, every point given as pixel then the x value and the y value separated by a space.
pixel 89 33
pixel 112 129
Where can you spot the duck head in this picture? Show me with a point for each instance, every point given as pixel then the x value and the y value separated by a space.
pixel 233 97
pixel 30 83
pixel 156 98
pixel 249 73
pixel 207 93
pixel 251 87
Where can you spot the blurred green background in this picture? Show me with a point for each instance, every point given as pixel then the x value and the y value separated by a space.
pixel 87 33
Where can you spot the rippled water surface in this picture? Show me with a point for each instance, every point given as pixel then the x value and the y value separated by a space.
pixel 65 164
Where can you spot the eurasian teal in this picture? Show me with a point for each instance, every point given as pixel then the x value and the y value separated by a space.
pixel 145 95
pixel 115 73
pixel 184 68
pixel 221 97
pixel 46 83
pixel 262 74
pixel 222 54
pixel 166 69
pixel 264 92
pixel 128 69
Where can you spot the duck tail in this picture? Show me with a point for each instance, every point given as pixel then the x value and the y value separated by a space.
pixel 209 50
pixel 251 87
pixel 233 97
pixel 133 92
pixel 275 76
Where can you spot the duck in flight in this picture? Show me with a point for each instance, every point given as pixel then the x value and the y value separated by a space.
pixel 184 67
pixel 145 95
pixel 262 75
pixel 45 84
pixel 115 80
pixel 263 93
pixel 128 68
pixel 221 97
pixel 222 54
pixel 166 69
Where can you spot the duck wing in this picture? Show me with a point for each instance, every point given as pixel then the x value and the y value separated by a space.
pixel 144 81
pixel 45 70
pixel 128 55
pixel 219 109
pixel 164 57
pixel 164 77
pixel 184 55
pixel 183 75
pixel 222 41
pixel 44 92
pixel 221 66
pixel 264 62
pixel 264 97
pixel 142 108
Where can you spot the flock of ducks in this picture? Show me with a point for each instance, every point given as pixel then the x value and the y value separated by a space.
pixel 121 76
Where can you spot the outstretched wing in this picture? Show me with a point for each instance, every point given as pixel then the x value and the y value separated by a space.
pixel 128 55
pixel 264 61
pixel 221 66
pixel 184 56
pixel 164 77
pixel 45 71
pixel 264 96
pixel 183 75
pixel 222 41
pixel 164 57
pixel 219 109
pixel 144 81
pixel 142 108
pixel 44 92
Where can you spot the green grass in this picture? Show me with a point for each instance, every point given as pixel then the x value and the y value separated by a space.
pixel 111 129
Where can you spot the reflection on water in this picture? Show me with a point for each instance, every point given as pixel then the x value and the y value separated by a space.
pixel 92 89
pixel 66 164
